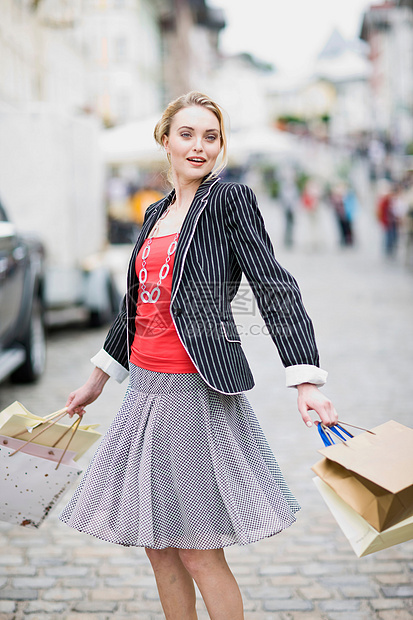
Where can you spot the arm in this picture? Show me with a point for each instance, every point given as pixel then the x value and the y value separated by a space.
pixel 88 393
pixel 106 366
pixel 279 301
pixel 277 293
pixel 311 399
pixel 113 358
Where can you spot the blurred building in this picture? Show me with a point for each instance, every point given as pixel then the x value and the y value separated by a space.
pixel 123 42
pixel 42 58
pixel 118 59
pixel 240 83
pixel 190 45
pixel 146 52
pixel 332 98
pixel 388 29
pixel 344 64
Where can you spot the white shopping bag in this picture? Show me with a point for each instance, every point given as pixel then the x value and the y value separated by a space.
pixel 17 421
pixel 30 484
pixel 361 535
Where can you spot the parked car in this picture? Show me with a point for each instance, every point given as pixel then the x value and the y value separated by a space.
pixel 22 328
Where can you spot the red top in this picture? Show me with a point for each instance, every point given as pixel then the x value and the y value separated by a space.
pixel 156 345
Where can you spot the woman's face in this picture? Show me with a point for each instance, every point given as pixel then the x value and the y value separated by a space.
pixel 193 143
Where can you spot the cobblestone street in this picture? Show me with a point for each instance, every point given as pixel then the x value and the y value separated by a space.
pixel 362 308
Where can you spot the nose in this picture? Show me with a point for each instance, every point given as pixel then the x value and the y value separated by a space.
pixel 198 144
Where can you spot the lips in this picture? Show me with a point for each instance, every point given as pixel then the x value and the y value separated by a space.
pixel 197 160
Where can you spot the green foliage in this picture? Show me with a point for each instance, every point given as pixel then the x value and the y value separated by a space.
pixel 302 179
pixel 290 119
pixel 271 182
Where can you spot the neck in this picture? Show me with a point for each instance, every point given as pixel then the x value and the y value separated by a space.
pixel 185 192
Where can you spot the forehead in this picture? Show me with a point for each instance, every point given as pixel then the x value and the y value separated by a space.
pixel 195 116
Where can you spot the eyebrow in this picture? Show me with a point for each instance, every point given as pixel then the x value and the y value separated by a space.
pixel 192 129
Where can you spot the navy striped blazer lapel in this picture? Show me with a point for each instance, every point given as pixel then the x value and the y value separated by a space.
pixel 188 229
pixel 187 232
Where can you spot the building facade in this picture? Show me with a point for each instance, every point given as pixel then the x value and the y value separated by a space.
pixel 120 60
pixel 388 29
pixel 42 58
pixel 123 43
pixel 344 64
pixel 190 46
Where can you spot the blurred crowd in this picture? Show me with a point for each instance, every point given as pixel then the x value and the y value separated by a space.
pixel 394 210
pixel 304 199
pixel 302 196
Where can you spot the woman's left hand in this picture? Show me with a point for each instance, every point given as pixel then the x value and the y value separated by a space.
pixel 311 399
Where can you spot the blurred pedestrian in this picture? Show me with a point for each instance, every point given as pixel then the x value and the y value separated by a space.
pixel 289 198
pixel 351 206
pixel 377 157
pixel 388 218
pixel 310 199
pixel 185 469
pixel 337 200
pixel 408 219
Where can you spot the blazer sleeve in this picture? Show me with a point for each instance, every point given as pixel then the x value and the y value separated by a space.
pixel 277 292
pixel 113 358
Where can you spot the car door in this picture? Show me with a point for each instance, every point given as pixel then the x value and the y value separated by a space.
pixel 13 255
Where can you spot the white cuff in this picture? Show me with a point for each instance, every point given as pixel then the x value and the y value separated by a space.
pixel 305 373
pixel 110 366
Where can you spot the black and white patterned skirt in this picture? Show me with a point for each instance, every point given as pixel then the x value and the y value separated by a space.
pixel 181 466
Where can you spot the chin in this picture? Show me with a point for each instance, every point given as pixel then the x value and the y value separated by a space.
pixel 197 174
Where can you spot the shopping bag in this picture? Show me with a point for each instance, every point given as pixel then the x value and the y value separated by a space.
pixel 364 538
pixel 16 421
pixel 373 473
pixel 30 483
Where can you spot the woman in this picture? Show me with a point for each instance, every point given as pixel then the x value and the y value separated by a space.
pixel 185 469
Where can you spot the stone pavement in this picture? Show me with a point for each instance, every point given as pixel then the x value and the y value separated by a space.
pixel 362 307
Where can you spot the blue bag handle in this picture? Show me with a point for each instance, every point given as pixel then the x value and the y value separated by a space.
pixel 326 433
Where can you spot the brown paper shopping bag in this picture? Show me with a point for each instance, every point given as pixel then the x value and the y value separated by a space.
pixel 16 421
pixel 373 473
pixel 362 536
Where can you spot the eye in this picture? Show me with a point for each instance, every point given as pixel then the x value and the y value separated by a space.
pixel 185 134
pixel 211 138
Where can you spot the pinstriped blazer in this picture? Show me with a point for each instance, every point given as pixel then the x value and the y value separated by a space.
pixel 222 237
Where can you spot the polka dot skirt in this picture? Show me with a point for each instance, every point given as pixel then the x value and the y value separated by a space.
pixel 181 466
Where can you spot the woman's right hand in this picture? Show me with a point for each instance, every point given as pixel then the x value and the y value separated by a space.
pixel 86 394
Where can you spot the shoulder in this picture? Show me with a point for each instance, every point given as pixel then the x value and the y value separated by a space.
pixel 239 209
pixel 155 206
pixel 232 187
pixel 161 201
pixel 232 194
pixel 239 198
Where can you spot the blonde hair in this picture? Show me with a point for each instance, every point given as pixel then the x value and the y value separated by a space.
pixel 163 126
